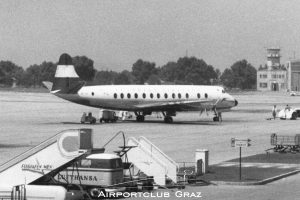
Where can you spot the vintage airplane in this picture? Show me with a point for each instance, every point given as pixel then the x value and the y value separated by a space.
pixel 140 99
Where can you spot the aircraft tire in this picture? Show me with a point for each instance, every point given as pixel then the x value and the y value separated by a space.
pixel 216 119
pixel 140 118
pixel 168 119
pixel 294 116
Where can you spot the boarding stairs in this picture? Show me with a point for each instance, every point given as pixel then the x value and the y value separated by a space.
pixel 47 157
pixel 124 150
pixel 151 160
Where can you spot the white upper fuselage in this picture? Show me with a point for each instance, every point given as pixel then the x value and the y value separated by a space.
pixel 149 97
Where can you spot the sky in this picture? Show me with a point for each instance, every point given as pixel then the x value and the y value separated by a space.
pixel 116 33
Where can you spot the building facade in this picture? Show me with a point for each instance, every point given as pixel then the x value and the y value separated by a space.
pixel 273 77
pixel 293 72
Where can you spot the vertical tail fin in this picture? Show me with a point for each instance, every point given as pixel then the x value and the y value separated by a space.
pixel 66 80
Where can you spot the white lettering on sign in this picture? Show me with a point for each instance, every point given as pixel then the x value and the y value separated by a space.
pixel 241 143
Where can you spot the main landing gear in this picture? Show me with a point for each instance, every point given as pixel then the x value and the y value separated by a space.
pixel 168 116
pixel 168 119
pixel 140 117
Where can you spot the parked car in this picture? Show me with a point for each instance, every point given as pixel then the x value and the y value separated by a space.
pixel 293 93
pixel 290 113
pixel 87 118
pixel 108 116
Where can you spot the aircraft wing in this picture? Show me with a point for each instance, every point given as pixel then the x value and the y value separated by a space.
pixel 178 105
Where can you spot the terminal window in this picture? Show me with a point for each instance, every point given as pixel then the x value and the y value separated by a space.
pixel 263 85
pixel 263 76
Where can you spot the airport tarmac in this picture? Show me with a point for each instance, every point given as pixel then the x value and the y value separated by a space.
pixel 29 118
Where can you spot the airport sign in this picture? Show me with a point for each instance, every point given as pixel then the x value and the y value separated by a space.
pixel 240 143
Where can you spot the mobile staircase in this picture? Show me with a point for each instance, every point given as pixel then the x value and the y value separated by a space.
pixel 49 156
pixel 151 160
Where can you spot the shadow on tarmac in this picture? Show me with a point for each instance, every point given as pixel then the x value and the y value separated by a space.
pixel 149 122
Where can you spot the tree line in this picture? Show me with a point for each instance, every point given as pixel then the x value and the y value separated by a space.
pixel 186 70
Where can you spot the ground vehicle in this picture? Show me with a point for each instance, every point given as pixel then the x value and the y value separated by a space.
pixel 108 116
pixel 88 118
pixel 291 113
pixel 96 173
pixel 293 93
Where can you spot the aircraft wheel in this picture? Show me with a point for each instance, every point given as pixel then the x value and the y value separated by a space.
pixel 168 119
pixel 216 119
pixel 140 118
pixel 294 115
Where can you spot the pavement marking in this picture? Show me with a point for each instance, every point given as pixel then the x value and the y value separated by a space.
pixel 226 164
pixel 260 165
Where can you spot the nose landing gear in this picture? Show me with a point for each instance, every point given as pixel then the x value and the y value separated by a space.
pixel 217 117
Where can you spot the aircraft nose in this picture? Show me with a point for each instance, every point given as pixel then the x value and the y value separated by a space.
pixel 236 102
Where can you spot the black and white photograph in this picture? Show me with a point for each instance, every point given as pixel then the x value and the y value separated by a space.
pixel 149 99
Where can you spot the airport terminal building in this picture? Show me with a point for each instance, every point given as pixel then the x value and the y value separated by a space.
pixel 273 77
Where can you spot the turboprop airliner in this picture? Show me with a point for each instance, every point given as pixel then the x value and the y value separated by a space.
pixel 140 99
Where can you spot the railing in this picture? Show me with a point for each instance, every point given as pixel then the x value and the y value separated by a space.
pixel 29 152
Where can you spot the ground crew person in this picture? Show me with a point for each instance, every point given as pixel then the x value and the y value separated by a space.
pixel 274 112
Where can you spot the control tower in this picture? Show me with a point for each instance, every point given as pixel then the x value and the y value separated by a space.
pixel 273 57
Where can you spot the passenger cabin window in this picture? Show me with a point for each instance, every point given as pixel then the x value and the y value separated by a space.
pixel 151 96
pixel 198 95
pixel 187 95
pixel 166 95
pixel 144 95
pixel 179 95
pixel 115 95
pixel 122 95
pixel 206 96
pixel 173 96
pixel 223 91
pixel 136 95
pixel 158 95
pixel 128 96
pixel 92 93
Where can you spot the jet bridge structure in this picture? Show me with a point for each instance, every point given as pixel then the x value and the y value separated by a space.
pixel 55 152
pixel 151 160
